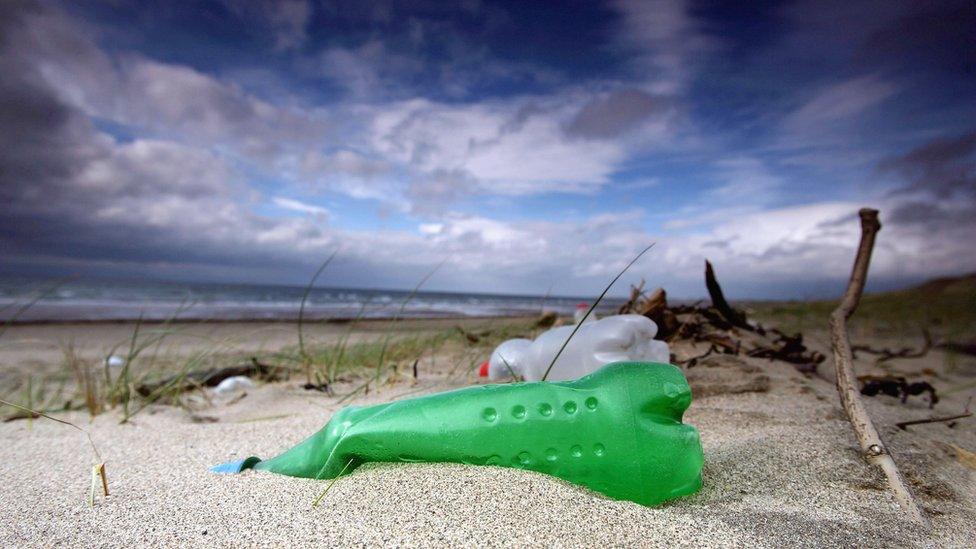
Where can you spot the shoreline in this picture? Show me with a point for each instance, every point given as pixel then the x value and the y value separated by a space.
pixel 271 320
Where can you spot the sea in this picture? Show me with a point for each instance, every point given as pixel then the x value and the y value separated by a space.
pixel 26 299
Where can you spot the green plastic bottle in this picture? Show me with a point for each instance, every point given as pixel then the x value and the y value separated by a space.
pixel 617 431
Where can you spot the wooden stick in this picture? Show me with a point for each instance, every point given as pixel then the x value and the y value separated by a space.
pixel 871 444
pixel 904 424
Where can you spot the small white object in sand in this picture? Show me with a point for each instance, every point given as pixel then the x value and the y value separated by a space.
pixel 233 384
pixel 114 361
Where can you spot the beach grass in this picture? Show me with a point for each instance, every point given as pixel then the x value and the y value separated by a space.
pixel 361 360
pixel 947 307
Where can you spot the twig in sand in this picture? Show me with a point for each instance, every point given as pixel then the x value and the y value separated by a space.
pixel 874 449
pixel 98 468
pixel 965 413
pixel 590 310
pixel 904 424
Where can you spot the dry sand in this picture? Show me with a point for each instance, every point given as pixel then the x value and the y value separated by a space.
pixel 781 470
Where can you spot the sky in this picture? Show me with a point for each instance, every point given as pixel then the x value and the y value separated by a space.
pixel 526 147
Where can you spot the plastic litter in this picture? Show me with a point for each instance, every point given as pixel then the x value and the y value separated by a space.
pixel 617 431
pixel 114 361
pixel 580 312
pixel 611 339
pixel 232 385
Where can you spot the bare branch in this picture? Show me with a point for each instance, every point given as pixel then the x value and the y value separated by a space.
pixel 875 451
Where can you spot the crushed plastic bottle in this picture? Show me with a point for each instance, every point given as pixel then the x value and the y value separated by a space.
pixel 611 339
pixel 617 431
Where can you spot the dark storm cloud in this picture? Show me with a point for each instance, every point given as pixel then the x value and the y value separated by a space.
pixel 931 35
pixel 942 167
pixel 68 192
pixel 939 192
pixel 44 141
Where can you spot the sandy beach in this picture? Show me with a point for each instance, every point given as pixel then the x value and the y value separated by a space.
pixel 225 223
pixel 781 468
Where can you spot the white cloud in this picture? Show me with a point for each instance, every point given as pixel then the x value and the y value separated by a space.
pixel 430 228
pixel 504 151
pixel 838 102
pixel 146 167
pixel 746 179
pixel 666 40
pixel 299 206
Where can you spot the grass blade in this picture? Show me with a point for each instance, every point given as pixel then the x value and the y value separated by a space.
pixel 301 315
pixel 403 307
pixel 590 310
pixel 331 483
pixel 98 469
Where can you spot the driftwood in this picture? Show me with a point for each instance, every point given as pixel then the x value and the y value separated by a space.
pixel 209 378
pixel 654 307
pixel 734 317
pixel 724 328
pixel 874 449
pixel 790 348
pixel 636 295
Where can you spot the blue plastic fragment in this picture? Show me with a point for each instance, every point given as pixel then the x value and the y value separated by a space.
pixel 234 467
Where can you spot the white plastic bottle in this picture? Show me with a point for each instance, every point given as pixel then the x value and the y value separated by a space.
pixel 507 360
pixel 611 339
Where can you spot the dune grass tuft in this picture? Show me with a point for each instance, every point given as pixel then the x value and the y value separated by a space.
pixel 98 465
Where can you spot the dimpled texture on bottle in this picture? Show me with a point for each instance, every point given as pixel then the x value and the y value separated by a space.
pixel 617 431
